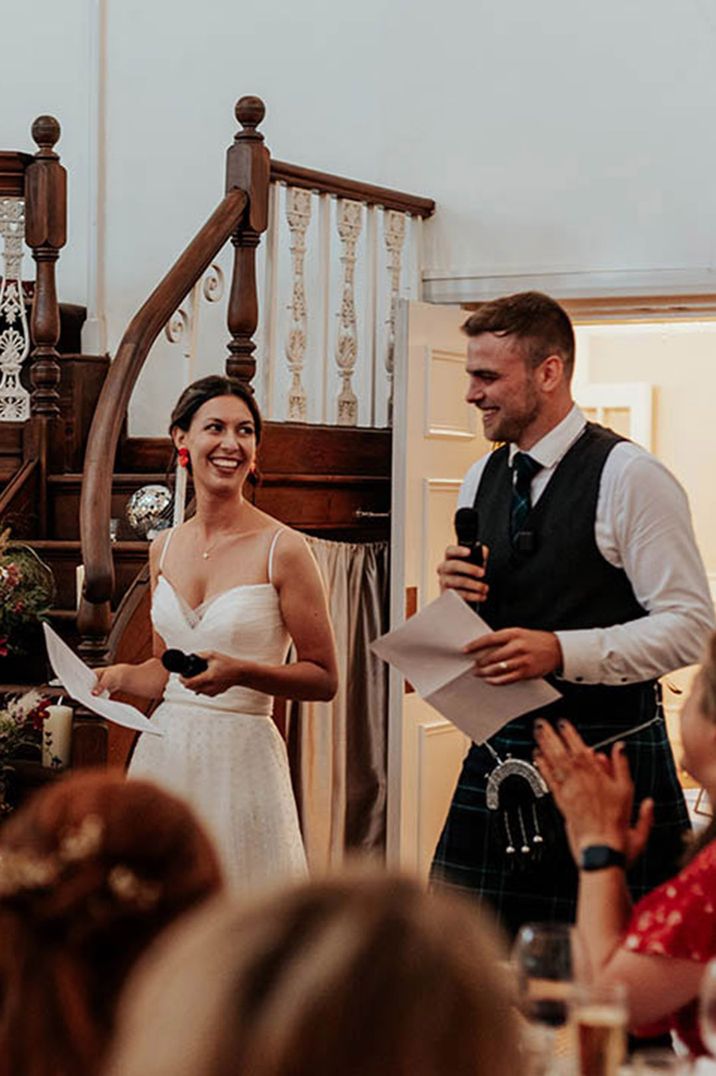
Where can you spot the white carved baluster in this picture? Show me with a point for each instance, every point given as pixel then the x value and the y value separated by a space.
pixel 394 235
pixel 350 221
pixel 298 215
pixel 14 331
pixel 184 322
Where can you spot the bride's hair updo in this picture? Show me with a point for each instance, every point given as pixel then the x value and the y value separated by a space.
pixel 207 388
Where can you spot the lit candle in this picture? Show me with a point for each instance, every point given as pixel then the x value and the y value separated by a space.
pixel 57 736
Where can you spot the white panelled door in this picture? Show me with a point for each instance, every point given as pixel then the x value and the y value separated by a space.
pixel 625 408
pixel 436 436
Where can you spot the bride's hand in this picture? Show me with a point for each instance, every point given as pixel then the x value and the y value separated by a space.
pixel 110 680
pixel 223 672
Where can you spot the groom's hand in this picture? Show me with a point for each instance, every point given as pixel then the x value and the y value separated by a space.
pixel 512 654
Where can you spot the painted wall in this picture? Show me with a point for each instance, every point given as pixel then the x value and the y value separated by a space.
pixel 45 68
pixel 555 137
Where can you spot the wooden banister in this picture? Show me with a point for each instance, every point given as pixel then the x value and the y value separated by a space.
pixel 12 173
pixel 241 216
pixel 294 175
pixel 95 503
pixel 46 234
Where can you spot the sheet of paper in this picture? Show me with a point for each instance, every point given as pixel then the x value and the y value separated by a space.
pixel 427 649
pixel 78 680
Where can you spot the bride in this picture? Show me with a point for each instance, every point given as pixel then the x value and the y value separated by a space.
pixel 234 586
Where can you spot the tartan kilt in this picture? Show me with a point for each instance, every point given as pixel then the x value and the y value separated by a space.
pixel 542 885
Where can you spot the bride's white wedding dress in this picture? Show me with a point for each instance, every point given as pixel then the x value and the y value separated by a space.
pixel 224 755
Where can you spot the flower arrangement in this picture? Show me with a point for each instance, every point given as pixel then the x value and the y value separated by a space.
pixel 21 723
pixel 26 592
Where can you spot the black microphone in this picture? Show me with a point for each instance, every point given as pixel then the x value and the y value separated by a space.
pixel 466 528
pixel 187 665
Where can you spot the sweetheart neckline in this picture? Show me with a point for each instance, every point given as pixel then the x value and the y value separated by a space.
pixel 197 610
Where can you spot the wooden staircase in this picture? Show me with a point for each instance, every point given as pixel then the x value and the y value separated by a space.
pixel 72 466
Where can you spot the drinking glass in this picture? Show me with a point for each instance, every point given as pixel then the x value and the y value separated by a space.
pixel 543 957
pixel 656 1062
pixel 543 961
pixel 707 1008
pixel 599 1019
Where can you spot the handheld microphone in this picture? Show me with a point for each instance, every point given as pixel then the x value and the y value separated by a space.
pixel 187 665
pixel 466 526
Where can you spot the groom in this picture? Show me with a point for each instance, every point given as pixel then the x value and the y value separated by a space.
pixel 593 579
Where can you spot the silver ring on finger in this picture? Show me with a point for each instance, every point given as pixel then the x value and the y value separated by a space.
pixel 504 667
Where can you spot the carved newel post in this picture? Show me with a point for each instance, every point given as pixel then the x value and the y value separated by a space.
pixel 46 234
pixel 247 167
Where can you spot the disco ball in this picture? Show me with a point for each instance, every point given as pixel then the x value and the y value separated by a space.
pixel 149 510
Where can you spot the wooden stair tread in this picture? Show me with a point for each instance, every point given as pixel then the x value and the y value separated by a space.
pixel 60 545
pixel 118 478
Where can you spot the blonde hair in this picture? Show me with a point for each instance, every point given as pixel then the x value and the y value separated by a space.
pixel 350 976
pixel 705 684
pixel 707 678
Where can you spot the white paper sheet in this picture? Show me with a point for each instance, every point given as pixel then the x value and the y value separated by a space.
pixel 78 680
pixel 427 649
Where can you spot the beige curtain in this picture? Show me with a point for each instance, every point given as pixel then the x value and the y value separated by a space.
pixel 338 749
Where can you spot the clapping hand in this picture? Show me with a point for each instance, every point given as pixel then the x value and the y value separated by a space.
pixel 594 792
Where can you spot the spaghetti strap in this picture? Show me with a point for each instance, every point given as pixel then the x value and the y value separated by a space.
pixel 165 547
pixel 270 555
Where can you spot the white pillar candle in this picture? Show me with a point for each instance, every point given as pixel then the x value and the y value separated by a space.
pixel 57 736
pixel 79 582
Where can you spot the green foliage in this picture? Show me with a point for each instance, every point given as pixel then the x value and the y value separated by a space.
pixel 26 593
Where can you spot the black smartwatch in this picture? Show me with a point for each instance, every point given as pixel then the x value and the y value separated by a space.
pixel 596 857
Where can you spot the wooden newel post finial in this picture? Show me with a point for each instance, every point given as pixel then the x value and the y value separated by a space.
pixel 46 234
pixel 248 167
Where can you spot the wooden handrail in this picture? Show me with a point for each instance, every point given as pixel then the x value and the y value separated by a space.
pixel 12 173
pixel 325 183
pixel 144 328
pixel 18 481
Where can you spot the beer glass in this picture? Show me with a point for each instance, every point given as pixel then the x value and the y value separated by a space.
pixel 599 1019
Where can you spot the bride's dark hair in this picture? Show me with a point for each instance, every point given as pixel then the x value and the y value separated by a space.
pixel 207 388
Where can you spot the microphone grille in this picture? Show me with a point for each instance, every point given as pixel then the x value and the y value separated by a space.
pixel 466 526
pixel 173 660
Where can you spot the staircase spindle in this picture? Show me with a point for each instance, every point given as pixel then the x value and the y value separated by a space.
pixel 247 166
pixel 46 234
pixel 298 215
pixel 350 222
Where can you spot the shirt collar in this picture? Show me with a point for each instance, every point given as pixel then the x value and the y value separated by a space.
pixel 550 449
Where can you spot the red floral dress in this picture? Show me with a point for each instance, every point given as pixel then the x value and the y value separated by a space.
pixel 678 919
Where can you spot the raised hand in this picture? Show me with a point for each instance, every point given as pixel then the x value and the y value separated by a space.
pixel 593 791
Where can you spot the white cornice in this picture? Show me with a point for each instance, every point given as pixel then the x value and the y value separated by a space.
pixel 466 286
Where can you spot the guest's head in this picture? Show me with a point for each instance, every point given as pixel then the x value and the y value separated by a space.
pixel 367 974
pixel 91 870
pixel 698 721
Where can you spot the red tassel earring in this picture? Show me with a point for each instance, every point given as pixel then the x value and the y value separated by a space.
pixel 183 456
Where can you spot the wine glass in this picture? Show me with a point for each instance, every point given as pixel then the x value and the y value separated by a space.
pixel 707 1008
pixel 543 957
pixel 544 965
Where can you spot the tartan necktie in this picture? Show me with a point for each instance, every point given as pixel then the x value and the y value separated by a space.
pixel 525 468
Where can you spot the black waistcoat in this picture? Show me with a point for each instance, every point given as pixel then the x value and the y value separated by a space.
pixel 564 582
